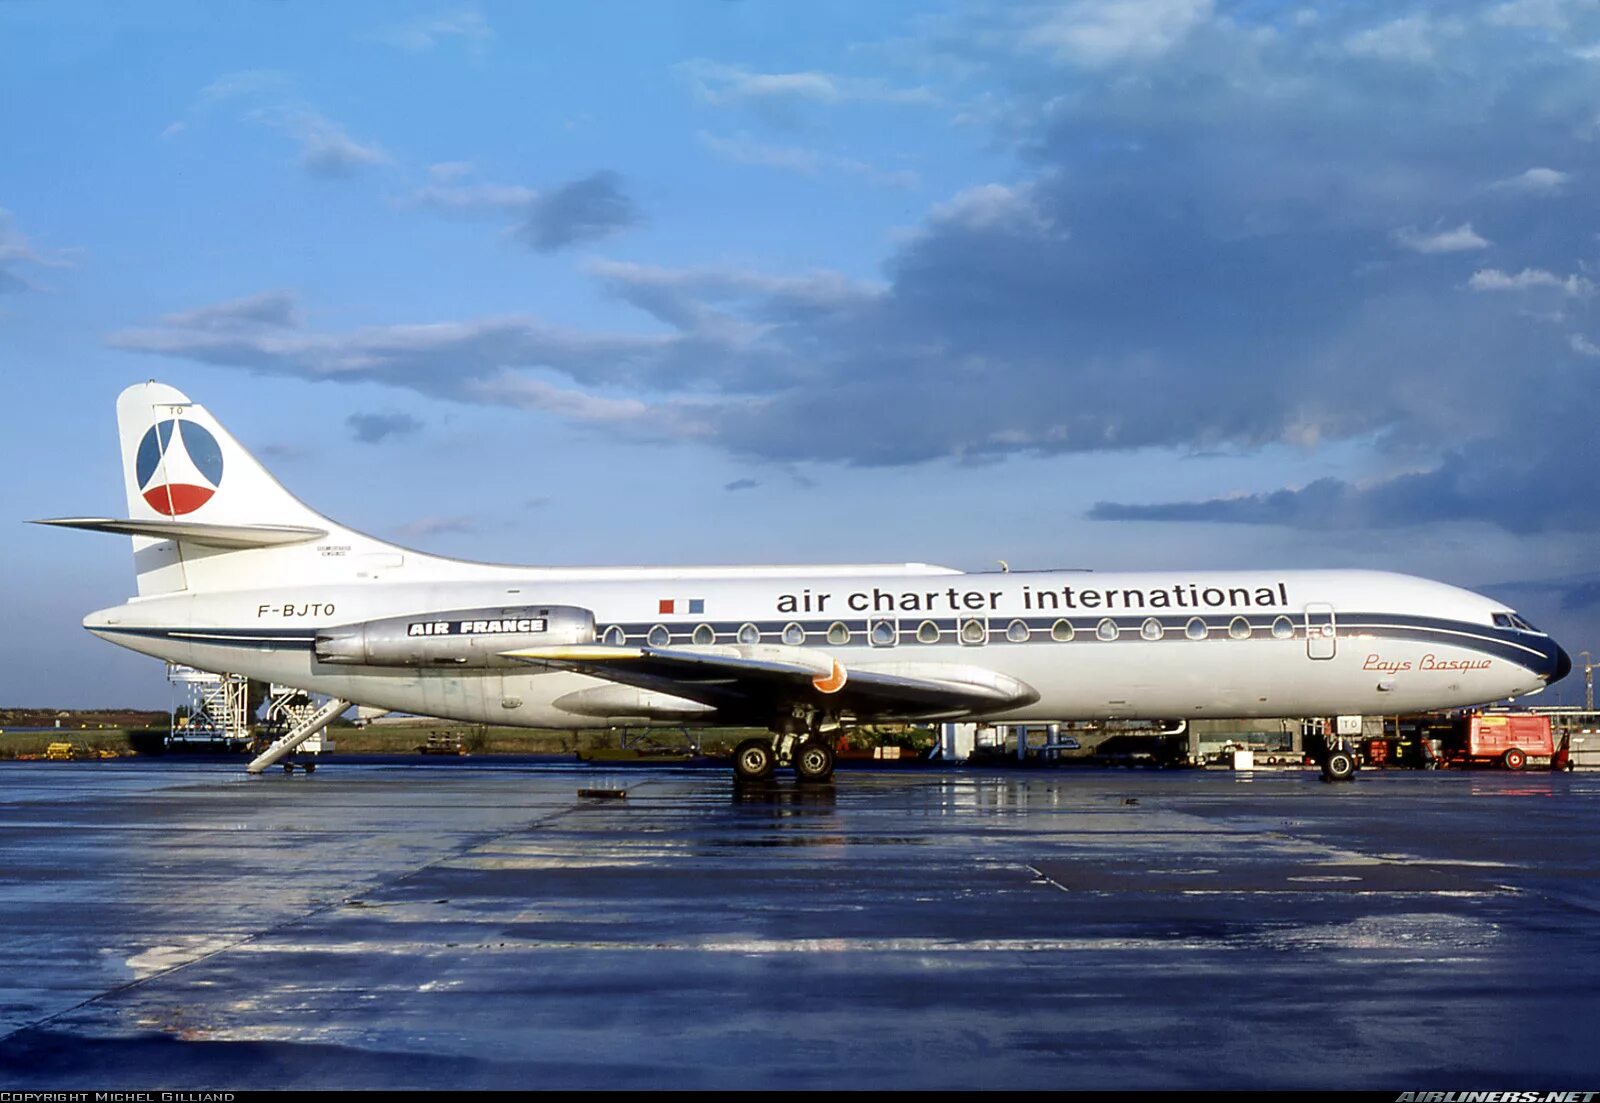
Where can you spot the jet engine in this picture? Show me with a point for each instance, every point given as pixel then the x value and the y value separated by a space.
pixel 457 638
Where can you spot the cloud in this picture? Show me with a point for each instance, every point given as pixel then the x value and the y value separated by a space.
pixel 445 171
pixel 18 255
pixel 1413 39
pixel 696 298
pixel 583 211
pixel 465 361
pixel 270 309
pixel 1493 279
pixel 536 394
pixel 1550 15
pixel 1507 462
pixel 1536 181
pixel 475 199
pixel 434 526
pixel 373 428
pixel 452 190
pixel 992 208
pixel 1461 239
pixel 1194 253
pixel 576 213
pixel 741 484
pixel 267 98
pixel 1574 592
pixel 1096 34
pixel 1523 493
pixel 465 25
pixel 806 162
pixel 732 84
pixel 326 150
pixel 247 84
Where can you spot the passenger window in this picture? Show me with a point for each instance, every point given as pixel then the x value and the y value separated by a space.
pixel 659 636
pixel 883 633
pixel 1106 629
pixel 1195 629
pixel 1017 632
pixel 1283 628
pixel 974 631
pixel 613 636
pixel 927 632
pixel 704 635
pixel 1061 631
pixel 838 633
pixel 1150 629
pixel 793 634
pixel 1239 628
pixel 748 633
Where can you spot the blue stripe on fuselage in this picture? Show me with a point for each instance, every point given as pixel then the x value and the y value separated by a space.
pixel 1538 653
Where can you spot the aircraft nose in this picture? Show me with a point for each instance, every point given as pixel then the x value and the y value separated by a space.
pixel 1563 665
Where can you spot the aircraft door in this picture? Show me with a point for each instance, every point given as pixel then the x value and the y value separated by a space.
pixel 1322 631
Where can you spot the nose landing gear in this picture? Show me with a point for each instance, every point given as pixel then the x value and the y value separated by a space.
pixel 1339 761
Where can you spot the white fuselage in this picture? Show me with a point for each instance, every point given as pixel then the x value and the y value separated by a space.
pixel 1156 645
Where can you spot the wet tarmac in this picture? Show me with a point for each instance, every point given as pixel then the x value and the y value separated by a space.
pixel 175 925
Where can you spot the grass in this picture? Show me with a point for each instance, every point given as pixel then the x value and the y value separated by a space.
pixel 405 738
pixel 400 739
pixel 483 739
pixel 22 744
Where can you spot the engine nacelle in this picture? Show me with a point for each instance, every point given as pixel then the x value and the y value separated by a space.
pixel 457 638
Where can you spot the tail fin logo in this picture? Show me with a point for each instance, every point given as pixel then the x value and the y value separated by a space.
pixel 179 467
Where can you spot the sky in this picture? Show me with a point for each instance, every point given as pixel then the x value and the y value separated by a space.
pixel 1094 283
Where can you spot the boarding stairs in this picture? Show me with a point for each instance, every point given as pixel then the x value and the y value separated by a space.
pixel 307 725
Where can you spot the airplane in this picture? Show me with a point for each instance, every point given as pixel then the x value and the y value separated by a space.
pixel 235 574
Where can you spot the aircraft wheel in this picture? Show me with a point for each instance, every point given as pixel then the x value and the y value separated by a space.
pixel 1515 759
pixel 813 761
pixel 1340 766
pixel 753 760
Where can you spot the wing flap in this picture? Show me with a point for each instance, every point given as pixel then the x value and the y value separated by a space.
pixel 757 679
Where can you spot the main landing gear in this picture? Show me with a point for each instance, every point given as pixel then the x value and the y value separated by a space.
pixel 795 741
pixel 754 760
pixel 813 760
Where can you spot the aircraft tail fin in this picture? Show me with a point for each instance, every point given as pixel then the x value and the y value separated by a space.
pixel 205 515
pixel 179 462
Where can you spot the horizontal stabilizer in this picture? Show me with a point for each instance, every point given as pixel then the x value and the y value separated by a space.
pixel 196 532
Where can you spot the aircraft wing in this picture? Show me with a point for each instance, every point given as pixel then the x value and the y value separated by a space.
pixel 756 680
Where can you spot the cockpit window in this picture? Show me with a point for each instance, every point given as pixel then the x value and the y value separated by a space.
pixel 1512 620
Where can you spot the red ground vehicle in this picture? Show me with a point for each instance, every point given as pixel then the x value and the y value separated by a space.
pixel 1511 740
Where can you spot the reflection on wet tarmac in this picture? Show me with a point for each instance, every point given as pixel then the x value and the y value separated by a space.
pixel 785 798
pixel 383 927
